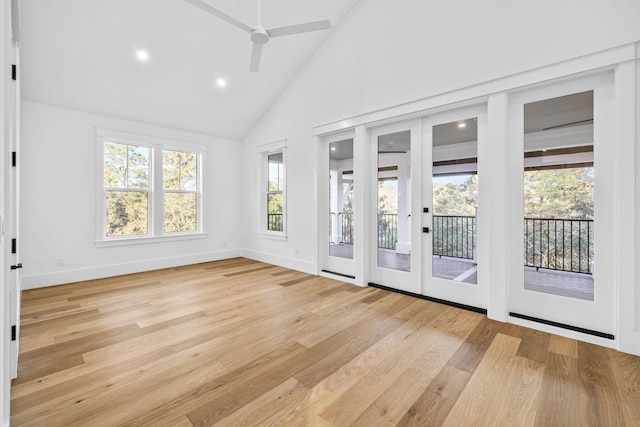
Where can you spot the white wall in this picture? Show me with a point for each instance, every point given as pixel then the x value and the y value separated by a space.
pixel 58 209
pixel 389 52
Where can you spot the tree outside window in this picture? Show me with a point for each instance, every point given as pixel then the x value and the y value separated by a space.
pixel 126 185
pixel 180 185
pixel 275 192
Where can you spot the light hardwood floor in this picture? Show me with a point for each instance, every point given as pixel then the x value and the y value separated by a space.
pixel 238 342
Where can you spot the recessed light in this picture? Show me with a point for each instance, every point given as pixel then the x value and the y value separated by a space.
pixel 462 125
pixel 221 82
pixel 142 55
pixel 333 148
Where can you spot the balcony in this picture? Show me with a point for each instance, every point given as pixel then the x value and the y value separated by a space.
pixel 558 252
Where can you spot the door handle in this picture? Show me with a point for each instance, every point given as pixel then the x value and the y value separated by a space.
pixel 425 229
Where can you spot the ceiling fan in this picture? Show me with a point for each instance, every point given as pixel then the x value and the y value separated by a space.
pixel 259 35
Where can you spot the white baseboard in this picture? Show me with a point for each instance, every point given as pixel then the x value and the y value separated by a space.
pixel 79 275
pixel 292 263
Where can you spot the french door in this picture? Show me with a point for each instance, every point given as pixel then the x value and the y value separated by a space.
pixel 394 184
pixel 338 205
pixel 451 207
pixel 561 206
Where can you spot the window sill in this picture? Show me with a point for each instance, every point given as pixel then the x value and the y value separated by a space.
pixel 127 241
pixel 273 236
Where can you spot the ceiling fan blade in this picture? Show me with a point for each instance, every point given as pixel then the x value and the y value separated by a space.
pixel 256 54
pixel 220 14
pixel 299 28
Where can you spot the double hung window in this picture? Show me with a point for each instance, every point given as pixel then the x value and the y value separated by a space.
pixel 273 192
pixel 150 189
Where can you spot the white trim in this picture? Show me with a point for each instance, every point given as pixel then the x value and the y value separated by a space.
pixel 155 190
pixel 126 241
pixel 92 273
pixel 292 263
pixel 264 151
pixel 272 146
pixel 137 138
pixel 627 87
pixel 273 235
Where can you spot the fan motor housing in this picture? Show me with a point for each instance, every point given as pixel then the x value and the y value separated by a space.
pixel 259 35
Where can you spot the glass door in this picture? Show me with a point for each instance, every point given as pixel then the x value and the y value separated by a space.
pixel 451 213
pixel 338 203
pixel 393 235
pixel 561 138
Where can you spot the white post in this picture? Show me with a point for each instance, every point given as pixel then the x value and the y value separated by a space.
pixel 403 245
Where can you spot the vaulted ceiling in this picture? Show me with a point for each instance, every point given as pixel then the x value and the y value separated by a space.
pixel 81 54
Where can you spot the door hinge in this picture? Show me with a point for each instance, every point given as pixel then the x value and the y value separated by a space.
pixel 14 246
pixel 17 266
pixel 13 332
pixel 14 159
pixel 14 72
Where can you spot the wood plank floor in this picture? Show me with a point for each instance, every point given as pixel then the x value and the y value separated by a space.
pixel 238 342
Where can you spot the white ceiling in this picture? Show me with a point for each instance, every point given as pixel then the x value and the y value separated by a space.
pixel 80 54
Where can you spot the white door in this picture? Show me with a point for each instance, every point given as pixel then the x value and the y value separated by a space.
pixel 561 206
pixel 394 184
pixel 451 211
pixel 337 205
pixel 11 222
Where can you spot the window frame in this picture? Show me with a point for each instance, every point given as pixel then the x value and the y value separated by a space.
pixel 197 191
pixel 264 152
pixel 155 189
pixel 148 190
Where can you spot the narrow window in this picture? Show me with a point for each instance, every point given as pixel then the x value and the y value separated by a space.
pixel 180 190
pixel 126 186
pixel 275 192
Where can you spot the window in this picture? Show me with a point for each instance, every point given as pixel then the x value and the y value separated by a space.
pixel 275 191
pixel 126 185
pixel 273 216
pixel 150 188
pixel 180 185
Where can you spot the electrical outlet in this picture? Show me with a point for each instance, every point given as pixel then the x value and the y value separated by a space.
pixel 296 251
pixel 60 262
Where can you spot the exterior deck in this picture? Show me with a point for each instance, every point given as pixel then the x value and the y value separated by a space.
pixel 561 283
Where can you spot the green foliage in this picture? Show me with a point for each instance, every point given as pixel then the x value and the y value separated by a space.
pixel 559 193
pixel 553 193
pixel 348 198
pixel 126 213
pixel 180 212
pixel 387 196
pixel 179 170
pixel 451 197
pixel 126 166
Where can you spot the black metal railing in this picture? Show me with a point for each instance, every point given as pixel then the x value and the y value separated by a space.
pixel 274 222
pixel 387 231
pixel 559 244
pixel 347 228
pixel 454 236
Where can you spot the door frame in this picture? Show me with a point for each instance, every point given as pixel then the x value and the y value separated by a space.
pixel 344 268
pixel 476 296
pixel 591 317
pixel 406 281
